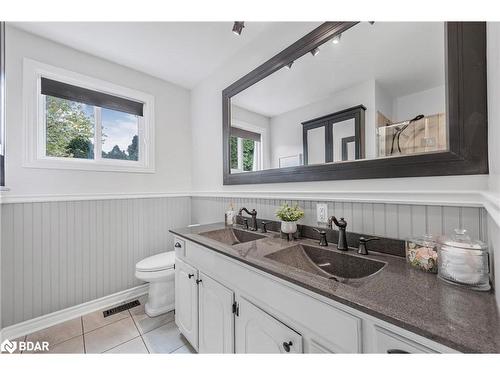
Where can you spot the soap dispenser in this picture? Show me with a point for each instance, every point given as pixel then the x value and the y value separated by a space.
pixel 230 216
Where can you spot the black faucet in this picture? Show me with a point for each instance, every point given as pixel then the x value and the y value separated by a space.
pixel 253 214
pixel 322 240
pixel 342 224
pixel 362 245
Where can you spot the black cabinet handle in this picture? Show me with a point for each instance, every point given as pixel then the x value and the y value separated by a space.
pixel 191 275
pixel 177 245
pixel 198 281
pixel 396 351
pixel 287 345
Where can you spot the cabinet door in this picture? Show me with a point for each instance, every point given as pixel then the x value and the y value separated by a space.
pixel 186 301
pixel 259 332
pixel 216 333
pixel 391 343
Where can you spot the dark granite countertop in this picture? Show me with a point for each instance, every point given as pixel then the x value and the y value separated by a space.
pixel 465 320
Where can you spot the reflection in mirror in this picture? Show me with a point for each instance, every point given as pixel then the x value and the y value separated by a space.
pixel 379 92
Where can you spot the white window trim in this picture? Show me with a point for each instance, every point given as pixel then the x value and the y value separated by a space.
pixel 34 122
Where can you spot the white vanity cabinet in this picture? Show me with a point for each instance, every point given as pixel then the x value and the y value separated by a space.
pixel 259 332
pixel 186 301
pixel 223 305
pixel 216 316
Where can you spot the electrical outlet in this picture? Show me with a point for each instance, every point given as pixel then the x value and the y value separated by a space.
pixel 322 212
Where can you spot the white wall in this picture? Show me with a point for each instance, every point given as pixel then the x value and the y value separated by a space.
pixel 383 102
pixel 427 102
pixel 172 121
pixel 286 128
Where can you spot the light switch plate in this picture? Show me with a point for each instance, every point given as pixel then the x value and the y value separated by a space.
pixel 321 212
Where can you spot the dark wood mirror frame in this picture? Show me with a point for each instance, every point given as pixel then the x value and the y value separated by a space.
pixel 466 97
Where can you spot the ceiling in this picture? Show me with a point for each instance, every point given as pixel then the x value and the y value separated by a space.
pixel 403 57
pixel 180 52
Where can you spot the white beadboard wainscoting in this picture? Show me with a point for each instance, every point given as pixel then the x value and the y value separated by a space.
pixel 63 253
pixel 381 219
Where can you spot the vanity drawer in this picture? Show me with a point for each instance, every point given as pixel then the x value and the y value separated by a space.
pixel 179 247
pixel 388 342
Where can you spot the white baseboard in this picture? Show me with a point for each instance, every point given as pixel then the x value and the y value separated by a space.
pixel 44 321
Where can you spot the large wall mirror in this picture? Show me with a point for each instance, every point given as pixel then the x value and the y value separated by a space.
pixel 357 100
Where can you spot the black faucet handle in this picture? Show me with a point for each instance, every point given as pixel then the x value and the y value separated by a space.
pixel 365 240
pixel 342 223
pixel 322 233
pixel 362 244
pixel 264 229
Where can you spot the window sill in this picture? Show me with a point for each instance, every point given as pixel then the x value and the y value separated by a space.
pixel 88 165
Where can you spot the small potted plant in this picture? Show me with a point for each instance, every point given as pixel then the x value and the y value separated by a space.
pixel 289 216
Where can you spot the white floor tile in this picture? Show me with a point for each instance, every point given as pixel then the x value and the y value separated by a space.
pixel 145 323
pixel 164 339
pixel 109 336
pixel 72 346
pixel 97 320
pixel 58 333
pixel 135 346
pixel 186 349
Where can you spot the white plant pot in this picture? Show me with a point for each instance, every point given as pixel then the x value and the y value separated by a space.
pixel 289 227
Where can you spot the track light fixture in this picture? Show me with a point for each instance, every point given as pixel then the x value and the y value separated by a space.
pixel 315 51
pixel 289 65
pixel 336 39
pixel 238 27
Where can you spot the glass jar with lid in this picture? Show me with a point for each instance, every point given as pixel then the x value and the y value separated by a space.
pixel 421 253
pixel 463 261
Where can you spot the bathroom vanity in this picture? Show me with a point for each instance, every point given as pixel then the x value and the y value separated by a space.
pixel 248 292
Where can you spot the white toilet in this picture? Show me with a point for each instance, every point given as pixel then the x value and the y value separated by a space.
pixel 158 271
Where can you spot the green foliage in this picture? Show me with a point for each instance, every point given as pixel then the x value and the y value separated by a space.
pixel 248 153
pixel 66 120
pixel 115 153
pixel 80 147
pixel 233 144
pixel 289 213
pixel 133 149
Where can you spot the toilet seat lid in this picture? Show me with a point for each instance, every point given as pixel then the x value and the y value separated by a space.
pixel 158 262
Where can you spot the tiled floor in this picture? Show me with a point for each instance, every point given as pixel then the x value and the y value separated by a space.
pixel 130 331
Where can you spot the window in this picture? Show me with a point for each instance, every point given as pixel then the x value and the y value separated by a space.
pixel 246 150
pixel 77 122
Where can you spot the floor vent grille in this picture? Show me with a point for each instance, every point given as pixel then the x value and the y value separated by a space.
pixel 117 309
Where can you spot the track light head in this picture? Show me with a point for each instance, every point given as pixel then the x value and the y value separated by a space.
pixel 289 65
pixel 238 27
pixel 336 39
pixel 315 51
